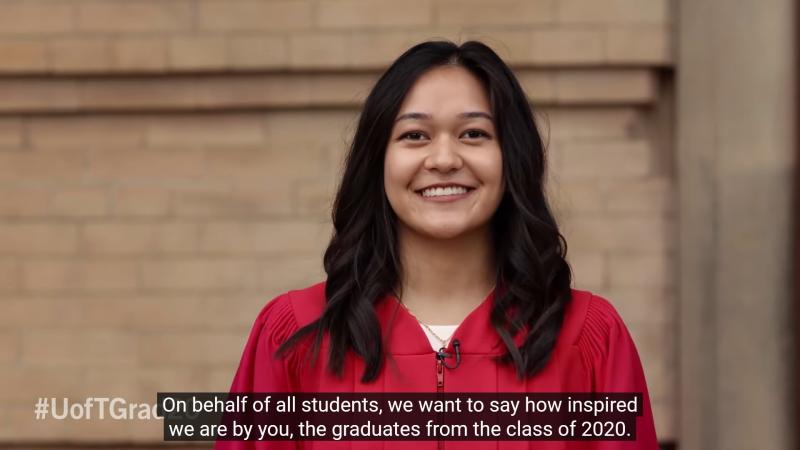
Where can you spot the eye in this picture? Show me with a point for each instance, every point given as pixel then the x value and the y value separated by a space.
pixel 412 136
pixel 475 134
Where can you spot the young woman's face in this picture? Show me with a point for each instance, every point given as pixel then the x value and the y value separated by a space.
pixel 443 171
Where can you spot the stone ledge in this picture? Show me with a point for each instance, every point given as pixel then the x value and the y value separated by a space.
pixel 31 95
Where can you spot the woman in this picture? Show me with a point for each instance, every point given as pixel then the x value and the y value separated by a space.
pixel 446 270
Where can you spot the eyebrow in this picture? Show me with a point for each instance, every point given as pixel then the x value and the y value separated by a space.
pixel 424 116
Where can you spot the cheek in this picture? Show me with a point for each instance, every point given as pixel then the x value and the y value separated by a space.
pixel 490 169
pixel 397 173
pixel 398 169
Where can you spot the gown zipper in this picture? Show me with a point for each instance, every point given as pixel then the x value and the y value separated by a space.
pixel 440 382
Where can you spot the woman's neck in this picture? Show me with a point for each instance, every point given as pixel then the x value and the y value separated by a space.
pixel 444 279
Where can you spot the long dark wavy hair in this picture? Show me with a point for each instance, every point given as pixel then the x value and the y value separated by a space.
pixel 362 260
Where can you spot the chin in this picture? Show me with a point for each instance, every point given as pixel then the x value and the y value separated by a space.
pixel 442 231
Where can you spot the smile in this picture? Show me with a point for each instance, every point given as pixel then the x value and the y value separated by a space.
pixel 445 193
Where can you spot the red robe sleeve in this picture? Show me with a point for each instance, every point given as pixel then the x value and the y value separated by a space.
pixel 613 363
pixel 260 370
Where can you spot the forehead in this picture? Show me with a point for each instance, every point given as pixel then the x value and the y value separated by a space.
pixel 448 90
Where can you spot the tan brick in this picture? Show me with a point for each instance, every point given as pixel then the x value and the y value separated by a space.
pixel 134 16
pixel 629 45
pixel 146 430
pixel 174 349
pixel 642 304
pixel 23 55
pixel 502 12
pixel 340 91
pixel 65 348
pixel 255 51
pixel 589 270
pixel 38 239
pixel 226 130
pixel 642 269
pixel 314 196
pixel 377 49
pixel 263 195
pixel 210 200
pixel 247 15
pixel 147 382
pixel 38 94
pixel 219 380
pixel 140 201
pixel 121 164
pixel 577 197
pixel 84 131
pixel 69 310
pixel 168 312
pixel 318 50
pixel 619 233
pixel 24 203
pixel 142 312
pixel 43 16
pixel 198 53
pixel 605 86
pixel 34 166
pixel 199 274
pixel 125 94
pixel 664 417
pixel 34 312
pixel 538 86
pixel 559 200
pixel 650 195
pixel 248 91
pixel 655 343
pixel 9 279
pixel 603 160
pixel 453 33
pixel 290 129
pixel 24 384
pixel 80 202
pixel 9 347
pixel 593 123
pixel 264 166
pixel 12 133
pixel 348 14
pixel 99 430
pixel 140 53
pixel 17 424
pixel 567 46
pixel 171 379
pixel 279 275
pixel 613 11
pixel 285 237
pixel 79 275
pixel 140 238
pixel 80 54
pixel 513 46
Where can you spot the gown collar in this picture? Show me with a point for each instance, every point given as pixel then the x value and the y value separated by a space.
pixel 403 334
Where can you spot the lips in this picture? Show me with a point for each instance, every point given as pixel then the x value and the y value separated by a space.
pixel 444 185
pixel 445 192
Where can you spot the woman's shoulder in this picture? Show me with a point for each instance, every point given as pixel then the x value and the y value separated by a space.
pixel 295 308
pixel 590 321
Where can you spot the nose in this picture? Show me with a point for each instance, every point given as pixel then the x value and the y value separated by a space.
pixel 443 155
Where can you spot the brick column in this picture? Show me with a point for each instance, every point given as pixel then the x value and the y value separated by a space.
pixel 735 144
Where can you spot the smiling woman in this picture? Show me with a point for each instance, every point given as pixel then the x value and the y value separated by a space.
pixel 443 176
pixel 446 270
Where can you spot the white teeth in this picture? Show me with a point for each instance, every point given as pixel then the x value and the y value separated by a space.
pixel 441 191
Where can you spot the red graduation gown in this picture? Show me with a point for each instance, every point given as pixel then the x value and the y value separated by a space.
pixel 594 353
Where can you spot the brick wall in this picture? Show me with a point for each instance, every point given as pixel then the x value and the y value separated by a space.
pixel 167 167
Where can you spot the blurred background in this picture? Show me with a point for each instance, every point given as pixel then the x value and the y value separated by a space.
pixel 167 167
